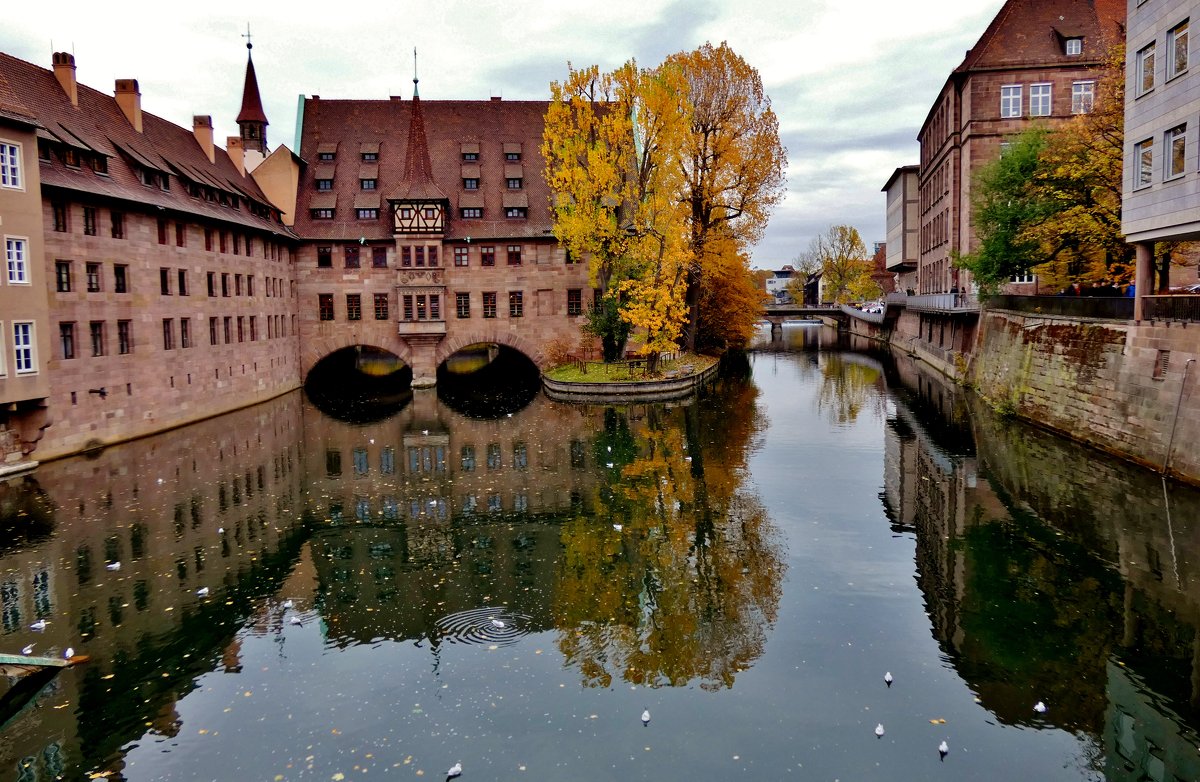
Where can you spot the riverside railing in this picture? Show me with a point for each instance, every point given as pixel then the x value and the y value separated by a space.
pixel 1100 307
pixel 1171 308
pixel 943 302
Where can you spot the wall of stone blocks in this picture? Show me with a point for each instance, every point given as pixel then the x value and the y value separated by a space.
pixel 1111 384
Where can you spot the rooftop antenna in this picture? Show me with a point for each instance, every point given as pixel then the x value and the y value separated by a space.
pixel 415 79
pixel 246 35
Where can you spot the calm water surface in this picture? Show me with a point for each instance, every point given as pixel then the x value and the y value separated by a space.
pixel 511 592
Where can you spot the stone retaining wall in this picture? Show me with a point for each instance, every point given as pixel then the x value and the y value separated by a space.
pixel 1112 384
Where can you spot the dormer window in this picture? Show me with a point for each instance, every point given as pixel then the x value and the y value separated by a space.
pixel 1073 46
pixel 100 164
pixel 370 157
pixel 322 214
pixel 148 177
pixel 324 184
pixel 513 183
pixel 512 157
pixel 470 183
pixel 71 157
pixel 515 212
pixel 325 156
pixel 470 157
pixel 367 184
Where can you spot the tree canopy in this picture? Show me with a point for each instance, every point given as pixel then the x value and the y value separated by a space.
pixel 841 256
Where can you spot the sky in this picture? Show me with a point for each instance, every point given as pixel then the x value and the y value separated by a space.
pixel 851 82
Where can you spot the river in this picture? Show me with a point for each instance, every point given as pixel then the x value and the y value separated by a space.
pixel 299 597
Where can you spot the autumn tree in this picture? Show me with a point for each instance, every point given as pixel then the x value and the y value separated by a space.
pixel 844 264
pixel 733 164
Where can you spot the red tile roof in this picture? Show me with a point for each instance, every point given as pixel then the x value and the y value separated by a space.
pixel 98 126
pixel 11 106
pixel 1031 32
pixel 451 127
pixel 252 110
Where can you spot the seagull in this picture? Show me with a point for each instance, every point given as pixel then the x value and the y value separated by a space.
pixel 202 592
pixel 28 650
pixel 943 749
pixel 887 678
pixel 645 716
pixel 113 566
pixel 295 620
pixel 510 415
pixel 39 625
pixel 497 623
pixel 68 653
pixel 1039 707
pixel 879 730
pixel 454 770
pixel 618 527
pixel 287 604
pixel 609 465
pixel 220 530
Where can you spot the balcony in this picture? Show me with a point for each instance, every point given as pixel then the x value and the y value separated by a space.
pixel 950 303
pixel 422 328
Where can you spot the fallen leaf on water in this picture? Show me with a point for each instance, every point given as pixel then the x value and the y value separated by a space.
pixel 937 721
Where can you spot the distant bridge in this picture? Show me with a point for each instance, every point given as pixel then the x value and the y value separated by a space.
pixel 777 314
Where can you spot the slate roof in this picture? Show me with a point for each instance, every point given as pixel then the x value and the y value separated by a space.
pixel 98 126
pixel 347 128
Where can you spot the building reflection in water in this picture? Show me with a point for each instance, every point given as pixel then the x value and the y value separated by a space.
pixel 627 533
pixel 1054 573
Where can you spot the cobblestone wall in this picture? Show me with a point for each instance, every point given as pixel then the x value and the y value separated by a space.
pixel 1113 385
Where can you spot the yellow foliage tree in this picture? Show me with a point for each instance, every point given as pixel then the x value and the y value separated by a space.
pixel 845 267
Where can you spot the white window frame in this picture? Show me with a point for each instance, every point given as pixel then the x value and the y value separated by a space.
pixel 1026 277
pixel 1145 57
pixel 26 348
pixel 16 260
pixel 1176 135
pixel 1175 35
pixel 1039 101
pixel 1143 163
pixel 1083 97
pixel 3 365
pixel 1010 101
pixel 1073 47
pixel 10 165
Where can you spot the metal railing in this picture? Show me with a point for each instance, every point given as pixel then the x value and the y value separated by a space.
pixel 1171 308
pixel 1100 307
pixel 943 302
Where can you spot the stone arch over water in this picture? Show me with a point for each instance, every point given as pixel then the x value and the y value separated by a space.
pixel 314 351
pixel 528 348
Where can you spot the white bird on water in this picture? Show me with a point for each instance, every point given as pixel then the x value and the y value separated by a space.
pixel 454 770
pixel 68 653
pixel 618 527
pixel 497 623
pixel 879 730
pixel 887 678
pixel 1039 707
pixel 38 626
pixel 113 566
pixel 295 620
pixel 28 650
pixel 943 749
pixel 287 604
pixel 202 592
pixel 220 530
pixel 645 716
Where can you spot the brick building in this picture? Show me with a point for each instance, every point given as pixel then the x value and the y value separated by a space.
pixel 149 277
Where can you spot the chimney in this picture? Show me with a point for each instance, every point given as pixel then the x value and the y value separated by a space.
pixel 64 71
pixel 237 153
pixel 202 129
pixel 129 98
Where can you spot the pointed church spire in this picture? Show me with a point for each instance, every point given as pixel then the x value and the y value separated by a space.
pixel 418 169
pixel 252 120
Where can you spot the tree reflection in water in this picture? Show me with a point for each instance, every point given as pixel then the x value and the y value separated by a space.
pixel 677 575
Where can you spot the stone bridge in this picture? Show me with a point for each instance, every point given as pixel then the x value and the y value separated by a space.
pixel 777 314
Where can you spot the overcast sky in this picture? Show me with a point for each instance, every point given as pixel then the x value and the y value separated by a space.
pixel 851 82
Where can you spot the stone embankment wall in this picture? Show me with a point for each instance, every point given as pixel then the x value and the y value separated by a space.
pixel 1111 384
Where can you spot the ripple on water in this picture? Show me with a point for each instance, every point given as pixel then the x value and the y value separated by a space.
pixel 490 626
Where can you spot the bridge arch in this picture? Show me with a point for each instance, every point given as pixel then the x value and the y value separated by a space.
pixel 313 351
pixel 456 342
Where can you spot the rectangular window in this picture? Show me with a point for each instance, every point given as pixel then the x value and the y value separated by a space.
pixel 225 284
pixel 322 214
pixel 62 276
pixel 471 212
pixel 367 214
pixel 1073 47
pixel 1175 143
pixel 89 221
pixel 517 212
pixel 366 184
pixel 253 329
pixel 124 337
pixel 164 282
pixel 185 331
pixel 241 327
pixel 213 330
pixel 324 184
pixel 406 256
pixel 1039 100
pixel 23 349
pixel 381 306
pixel 162 231
pixel 1083 97
pixel 433 256
pixel 1143 153
pixel 1177 50
pixel 1010 100
pixel 353 306
pixel 513 183
pixel 118 225
pixel 516 304
pixel 462 305
pixel 212 283
pixel 489 304
pixel 574 301
pixel 249 285
pixel 435 307
pixel 120 278
pixel 237 284
pixel 487 256
pixel 59 214
pixel 18 263
pixel 66 339
pixel 470 156
pixel 514 255
pixel 168 334
pixel 470 183
pixel 325 306
pixel 96 331
pixel 227 327
pixel 92 272
pixel 460 256
pixel 408 307
pixel 512 157
pixel 10 166
pixel 467 458
pixel 208 239
pixel 180 235
pixel 324 257
pixel 351 256
pixel 1144 71
pixel 379 257
pixel 419 256
pixel 1024 277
